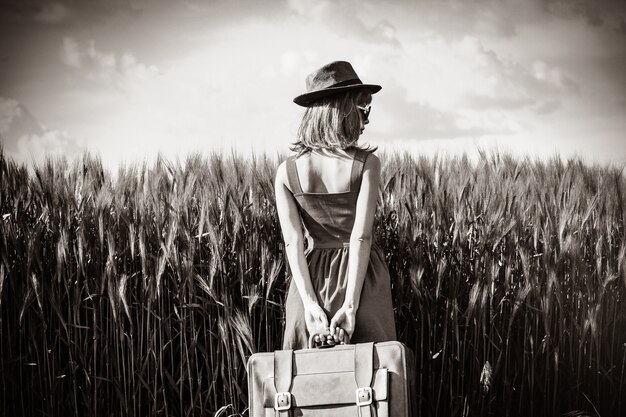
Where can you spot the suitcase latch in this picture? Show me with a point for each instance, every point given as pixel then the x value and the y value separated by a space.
pixel 282 401
pixel 364 396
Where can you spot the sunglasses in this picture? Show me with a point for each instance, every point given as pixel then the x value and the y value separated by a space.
pixel 365 111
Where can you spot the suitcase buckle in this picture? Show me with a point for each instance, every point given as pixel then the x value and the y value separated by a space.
pixel 282 401
pixel 364 396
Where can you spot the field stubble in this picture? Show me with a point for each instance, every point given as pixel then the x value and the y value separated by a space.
pixel 145 294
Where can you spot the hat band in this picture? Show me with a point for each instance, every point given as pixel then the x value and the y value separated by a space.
pixel 346 82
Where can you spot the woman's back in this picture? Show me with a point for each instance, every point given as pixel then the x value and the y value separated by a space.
pixel 328 206
pixel 320 173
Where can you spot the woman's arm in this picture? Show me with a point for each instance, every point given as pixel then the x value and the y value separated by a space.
pixel 291 225
pixel 360 245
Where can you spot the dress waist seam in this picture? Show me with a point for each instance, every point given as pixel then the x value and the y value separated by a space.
pixel 328 245
pixel 334 245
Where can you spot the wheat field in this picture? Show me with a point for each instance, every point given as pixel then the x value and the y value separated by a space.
pixel 143 293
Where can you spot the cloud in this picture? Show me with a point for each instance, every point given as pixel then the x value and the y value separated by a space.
pixel 596 13
pixel 342 18
pixel 621 26
pixel 552 76
pixel 24 138
pixel 70 53
pixel 455 19
pixel 16 121
pixel 54 12
pixel 508 85
pixel 64 11
pixel 458 88
pixel 403 118
pixel 121 71
pixel 9 110
pixel 49 143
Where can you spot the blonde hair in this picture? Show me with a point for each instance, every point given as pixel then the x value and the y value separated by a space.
pixel 332 123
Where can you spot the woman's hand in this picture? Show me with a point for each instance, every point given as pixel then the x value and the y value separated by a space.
pixel 321 340
pixel 345 318
pixel 315 318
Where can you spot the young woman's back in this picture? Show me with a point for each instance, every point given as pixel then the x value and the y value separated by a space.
pixel 319 173
pixel 328 217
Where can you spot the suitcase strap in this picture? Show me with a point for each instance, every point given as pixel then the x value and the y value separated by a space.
pixel 363 374
pixel 283 371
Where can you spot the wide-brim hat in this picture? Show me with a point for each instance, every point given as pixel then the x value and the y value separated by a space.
pixel 331 79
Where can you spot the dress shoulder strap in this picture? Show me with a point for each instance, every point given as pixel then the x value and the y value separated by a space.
pixel 292 176
pixel 357 169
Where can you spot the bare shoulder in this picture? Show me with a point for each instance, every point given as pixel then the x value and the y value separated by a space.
pixel 372 163
pixel 281 175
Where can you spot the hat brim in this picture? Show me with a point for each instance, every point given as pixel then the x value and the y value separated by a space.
pixel 307 99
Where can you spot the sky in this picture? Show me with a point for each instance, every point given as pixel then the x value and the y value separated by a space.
pixel 128 80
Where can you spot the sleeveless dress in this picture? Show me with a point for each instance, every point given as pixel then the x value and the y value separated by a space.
pixel 328 219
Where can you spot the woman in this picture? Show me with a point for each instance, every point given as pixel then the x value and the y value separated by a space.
pixel 340 285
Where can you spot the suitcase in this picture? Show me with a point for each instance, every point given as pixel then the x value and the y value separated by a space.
pixel 359 380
